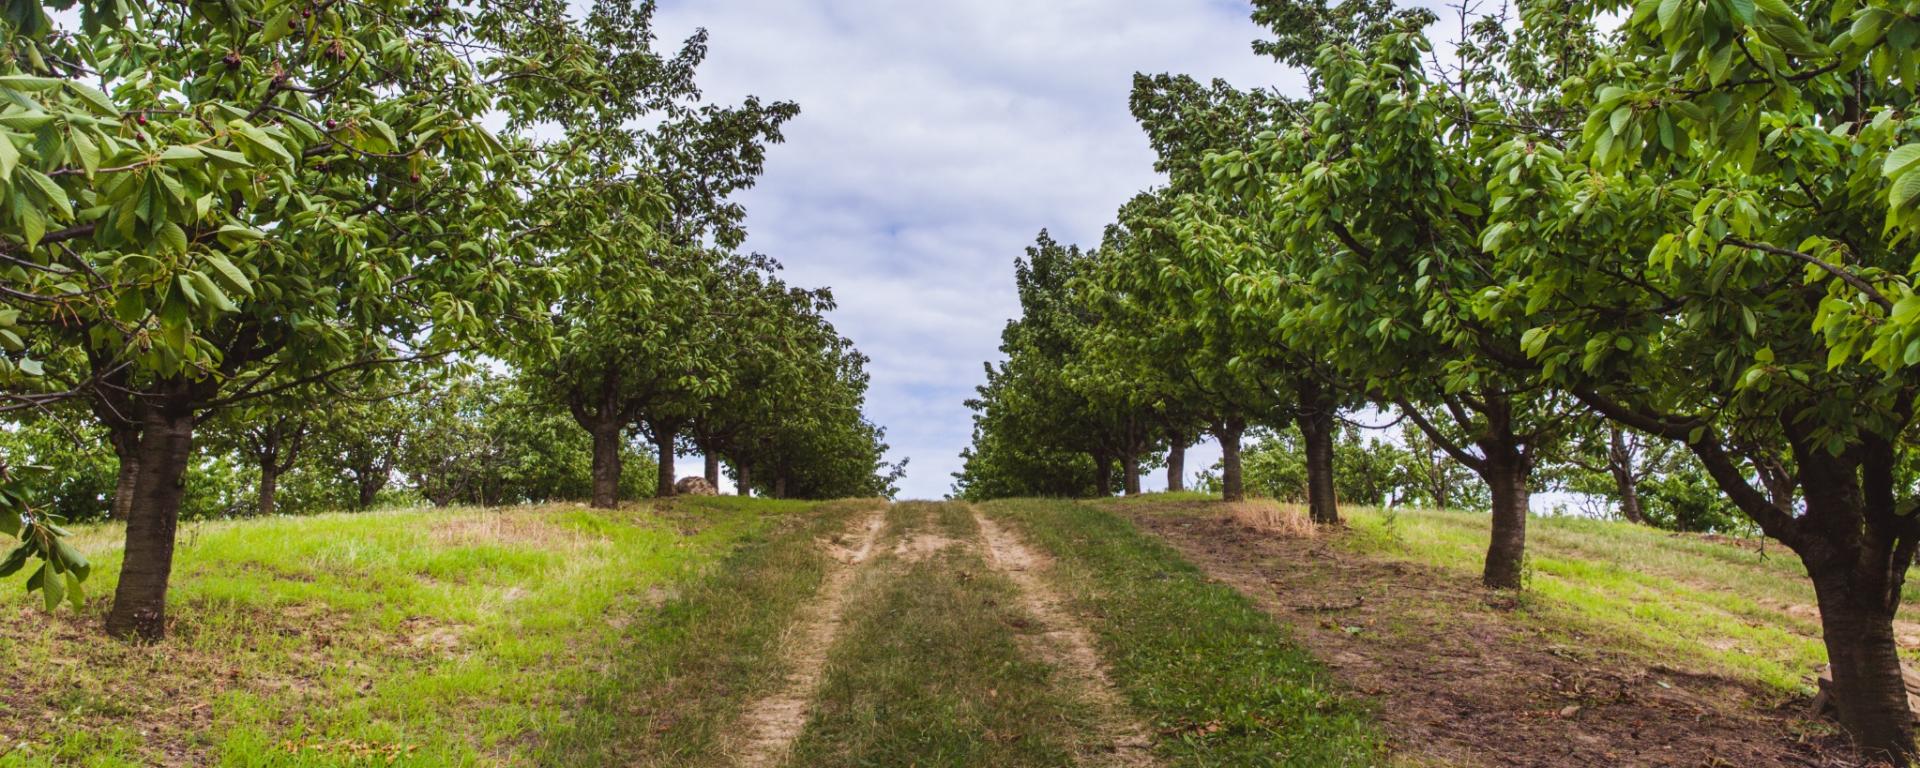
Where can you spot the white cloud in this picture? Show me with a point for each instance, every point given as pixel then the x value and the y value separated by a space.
pixel 935 141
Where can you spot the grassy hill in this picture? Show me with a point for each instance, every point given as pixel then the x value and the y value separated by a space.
pixel 435 637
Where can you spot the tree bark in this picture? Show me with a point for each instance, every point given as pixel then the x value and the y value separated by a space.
pixel 1176 466
pixel 1317 427
pixel 370 481
pixel 1620 465
pixel 607 464
pixel 166 447
pixel 1130 464
pixel 713 469
pixel 1869 689
pixel 743 475
pixel 269 489
pixel 1507 473
pixel 1102 475
pixel 1232 483
pixel 123 487
pixel 780 487
pixel 663 441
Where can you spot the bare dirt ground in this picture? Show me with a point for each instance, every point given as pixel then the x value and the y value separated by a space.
pixel 1065 644
pixel 1459 682
pixel 771 725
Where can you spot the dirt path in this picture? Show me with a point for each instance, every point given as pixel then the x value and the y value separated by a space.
pixel 1067 645
pixel 1458 681
pixel 771 724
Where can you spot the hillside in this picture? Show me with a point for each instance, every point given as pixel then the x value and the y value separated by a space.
pixel 1150 631
pixel 421 638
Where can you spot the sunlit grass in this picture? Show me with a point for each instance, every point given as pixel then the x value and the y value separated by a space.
pixel 435 637
pixel 1742 608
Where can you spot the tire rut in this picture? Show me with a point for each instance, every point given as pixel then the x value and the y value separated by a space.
pixel 1067 645
pixel 771 724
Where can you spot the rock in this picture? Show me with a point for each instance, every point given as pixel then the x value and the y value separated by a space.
pixel 695 486
pixel 1823 705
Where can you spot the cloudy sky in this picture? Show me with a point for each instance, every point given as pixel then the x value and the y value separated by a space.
pixel 935 141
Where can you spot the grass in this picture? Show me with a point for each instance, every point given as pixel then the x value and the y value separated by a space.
pixel 687 671
pixel 1720 606
pixel 419 638
pixel 1217 678
pixel 930 669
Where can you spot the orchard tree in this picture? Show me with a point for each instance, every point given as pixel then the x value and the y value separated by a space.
pixel 1378 196
pixel 259 196
pixel 1722 255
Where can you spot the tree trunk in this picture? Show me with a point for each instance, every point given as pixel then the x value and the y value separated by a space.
pixel 1176 467
pixel 780 487
pixel 1507 473
pixel 269 488
pixel 1102 475
pixel 743 476
pixel 371 482
pixel 663 440
pixel 1130 464
pixel 1232 484
pixel 1620 465
pixel 607 464
pixel 1869 689
pixel 166 447
pixel 1317 427
pixel 123 487
pixel 713 469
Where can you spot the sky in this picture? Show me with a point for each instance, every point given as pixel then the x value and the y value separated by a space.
pixel 935 142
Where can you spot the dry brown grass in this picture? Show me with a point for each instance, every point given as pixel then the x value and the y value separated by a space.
pixel 525 527
pixel 1269 516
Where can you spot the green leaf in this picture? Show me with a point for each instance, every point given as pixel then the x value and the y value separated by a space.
pixel 1905 191
pixel 233 275
pixel 172 237
pixel 1901 160
pixel 52 587
pixel 16 559
pixel 212 292
pixel 54 194
pixel 182 153
pixel 9 156
pixel 30 83
pixel 93 97
pixel 76 594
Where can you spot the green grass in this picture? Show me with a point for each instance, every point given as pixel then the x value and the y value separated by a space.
pixel 1217 678
pixel 419 638
pixel 930 669
pixel 1672 598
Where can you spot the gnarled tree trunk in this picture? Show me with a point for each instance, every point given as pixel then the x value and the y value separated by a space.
pixel 1130 483
pixel 1232 483
pixel 1316 423
pixel 1620 465
pixel 663 439
pixel 607 464
pixel 1176 466
pixel 1507 471
pixel 370 481
pixel 124 486
pixel 166 447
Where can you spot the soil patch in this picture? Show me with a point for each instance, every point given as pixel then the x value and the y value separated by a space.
pixel 1065 644
pixel 1458 681
pixel 771 724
